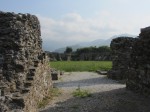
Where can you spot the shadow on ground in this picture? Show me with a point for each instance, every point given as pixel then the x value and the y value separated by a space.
pixel 118 100
pixel 85 82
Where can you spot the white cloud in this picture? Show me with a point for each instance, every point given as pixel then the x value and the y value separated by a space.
pixel 72 28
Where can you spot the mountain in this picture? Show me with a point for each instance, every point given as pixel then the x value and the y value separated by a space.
pixel 104 42
pixel 74 48
pixel 97 43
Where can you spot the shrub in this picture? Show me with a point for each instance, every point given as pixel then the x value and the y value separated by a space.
pixel 81 93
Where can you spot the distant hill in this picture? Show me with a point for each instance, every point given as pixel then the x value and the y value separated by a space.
pixel 74 48
pixel 97 43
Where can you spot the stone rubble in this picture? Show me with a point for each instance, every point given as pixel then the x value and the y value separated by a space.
pixel 55 74
pixel 102 72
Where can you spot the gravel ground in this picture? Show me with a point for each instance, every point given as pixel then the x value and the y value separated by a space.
pixel 107 95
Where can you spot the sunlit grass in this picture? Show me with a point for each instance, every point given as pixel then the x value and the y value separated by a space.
pixel 70 66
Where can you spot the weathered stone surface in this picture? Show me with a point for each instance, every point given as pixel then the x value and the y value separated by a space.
pixel 101 72
pixel 139 70
pixel 131 61
pixel 24 72
pixel 55 74
pixel 121 49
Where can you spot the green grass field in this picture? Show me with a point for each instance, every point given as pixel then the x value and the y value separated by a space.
pixel 70 66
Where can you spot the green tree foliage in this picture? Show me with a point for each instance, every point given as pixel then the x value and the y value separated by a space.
pixel 104 49
pixel 68 53
pixel 92 53
pixel 68 50
pixel 95 49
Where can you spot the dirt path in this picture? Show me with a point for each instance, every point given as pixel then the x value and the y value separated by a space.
pixel 107 95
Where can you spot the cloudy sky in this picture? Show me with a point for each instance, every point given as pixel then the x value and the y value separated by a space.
pixel 68 22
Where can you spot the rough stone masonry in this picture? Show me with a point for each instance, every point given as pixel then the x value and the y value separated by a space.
pixel 138 78
pixel 24 72
pixel 121 50
pixel 131 61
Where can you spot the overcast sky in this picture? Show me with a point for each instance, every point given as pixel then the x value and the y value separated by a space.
pixel 67 22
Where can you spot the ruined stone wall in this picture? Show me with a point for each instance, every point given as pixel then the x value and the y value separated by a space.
pixel 121 49
pixel 139 70
pixel 24 71
pixel 131 61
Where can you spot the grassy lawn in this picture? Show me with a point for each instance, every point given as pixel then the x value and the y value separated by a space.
pixel 69 66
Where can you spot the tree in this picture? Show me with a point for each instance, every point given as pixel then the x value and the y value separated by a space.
pixel 68 52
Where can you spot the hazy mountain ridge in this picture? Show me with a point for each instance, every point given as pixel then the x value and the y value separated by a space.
pixel 97 43
pixel 74 48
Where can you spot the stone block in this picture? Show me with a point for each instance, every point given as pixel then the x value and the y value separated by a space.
pixel 55 75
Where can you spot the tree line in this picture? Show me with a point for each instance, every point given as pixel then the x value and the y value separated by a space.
pixel 89 53
pixel 91 49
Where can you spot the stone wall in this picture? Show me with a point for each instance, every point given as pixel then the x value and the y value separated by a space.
pixel 121 49
pixel 131 61
pixel 24 72
pixel 139 70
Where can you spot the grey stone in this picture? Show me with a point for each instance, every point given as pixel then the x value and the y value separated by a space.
pixel 131 61
pixel 138 78
pixel 24 71
pixel 121 50
pixel 101 72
